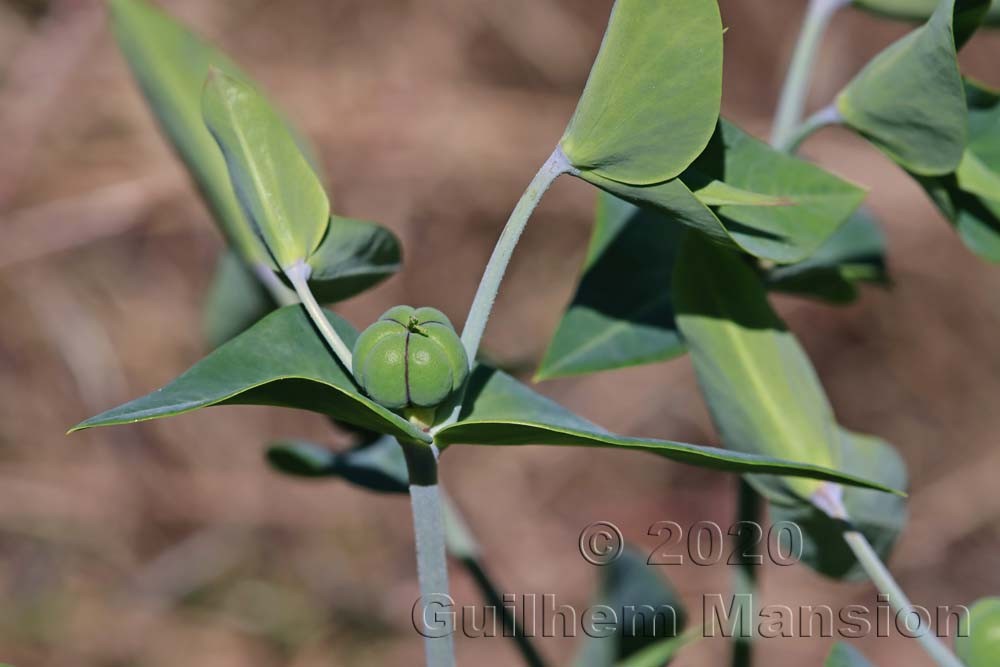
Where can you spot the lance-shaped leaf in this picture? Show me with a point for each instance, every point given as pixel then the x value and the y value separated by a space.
pixel 970 198
pixel 845 655
pixel 378 466
pixel 499 410
pixel 855 254
pixel 918 10
pixel 981 648
pixel 792 206
pixel 280 361
pixel 354 255
pixel 909 101
pixel 653 95
pixel 621 314
pixel 760 387
pixel 647 610
pixel 170 64
pixel 275 184
pixel 879 516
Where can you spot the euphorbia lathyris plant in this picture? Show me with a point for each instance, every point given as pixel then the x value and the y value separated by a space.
pixel 697 220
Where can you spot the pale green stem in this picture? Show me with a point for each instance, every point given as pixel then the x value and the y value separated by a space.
pixel 823 118
pixel 434 610
pixel 277 289
pixel 489 284
pixel 298 274
pixel 796 86
pixel 828 499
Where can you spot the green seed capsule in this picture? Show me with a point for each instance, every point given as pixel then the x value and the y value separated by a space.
pixel 410 358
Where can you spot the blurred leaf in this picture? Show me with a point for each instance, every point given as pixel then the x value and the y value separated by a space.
pixel 854 254
pixel 845 655
pixel 621 314
pixel 760 387
pixel 799 205
pixel 970 198
pixel 379 466
pixel 353 256
pixel 662 652
pixel 236 300
pixel 909 101
pixel 273 181
pixel 879 516
pixel 499 410
pixel 918 10
pixel 170 64
pixel 628 583
pixel 653 95
pixel 982 647
pixel 280 361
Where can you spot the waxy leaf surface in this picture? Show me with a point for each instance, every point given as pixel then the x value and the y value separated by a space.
pixel 909 100
pixel 353 256
pixel 760 387
pixel 499 410
pixel 280 361
pixel 653 95
pixel 378 466
pixel 273 181
pixel 918 10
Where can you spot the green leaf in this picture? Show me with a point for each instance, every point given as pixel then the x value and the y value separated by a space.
pixel 976 219
pixel 854 254
pixel 661 652
pixel 629 583
pixel 879 516
pixel 353 256
pixel 760 387
pixel 280 361
pixel 273 181
pixel 769 204
pixel 909 101
pixel 236 300
pixel 918 10
pixel 653 95
pixel 170 64
pixel 499 410
pixel 621 314
pixel 845 655
pixel 379 466
pixel 982 647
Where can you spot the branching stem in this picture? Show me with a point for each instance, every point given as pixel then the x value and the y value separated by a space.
pixel 298 274
pixel 277 289
pixel 828 115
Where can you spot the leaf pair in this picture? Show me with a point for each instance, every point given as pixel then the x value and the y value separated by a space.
pixel 909 100
pixel 280 361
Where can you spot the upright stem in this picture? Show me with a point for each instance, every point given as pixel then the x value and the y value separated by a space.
pixel 489 285
pixel 796 86
pixel 828 499
pixel 298 275
pixel 434 611
pixel 277 289
pixel 749 511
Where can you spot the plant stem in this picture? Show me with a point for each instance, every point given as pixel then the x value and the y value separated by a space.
pixel 826 116
pixel 463 546
pixel 277 289
pixel 749 511
pixel 829 500
pixel 796 86
pixel 432 566
pixel 298 274
pixel 489 285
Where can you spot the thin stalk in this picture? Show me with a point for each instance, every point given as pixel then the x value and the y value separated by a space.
pixel 462 545
pixel 829 500
pixel 750 510
pixel 825 117
pixel 277 289
pixel 298 274
pixel 796 86
pixel 489 285
pixel 434 611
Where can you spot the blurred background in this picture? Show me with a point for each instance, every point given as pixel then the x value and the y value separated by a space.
pixel 172 542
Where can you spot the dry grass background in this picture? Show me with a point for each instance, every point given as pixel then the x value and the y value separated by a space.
pixel 171 542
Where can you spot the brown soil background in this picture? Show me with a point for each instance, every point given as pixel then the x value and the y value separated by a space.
pixel 172 543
